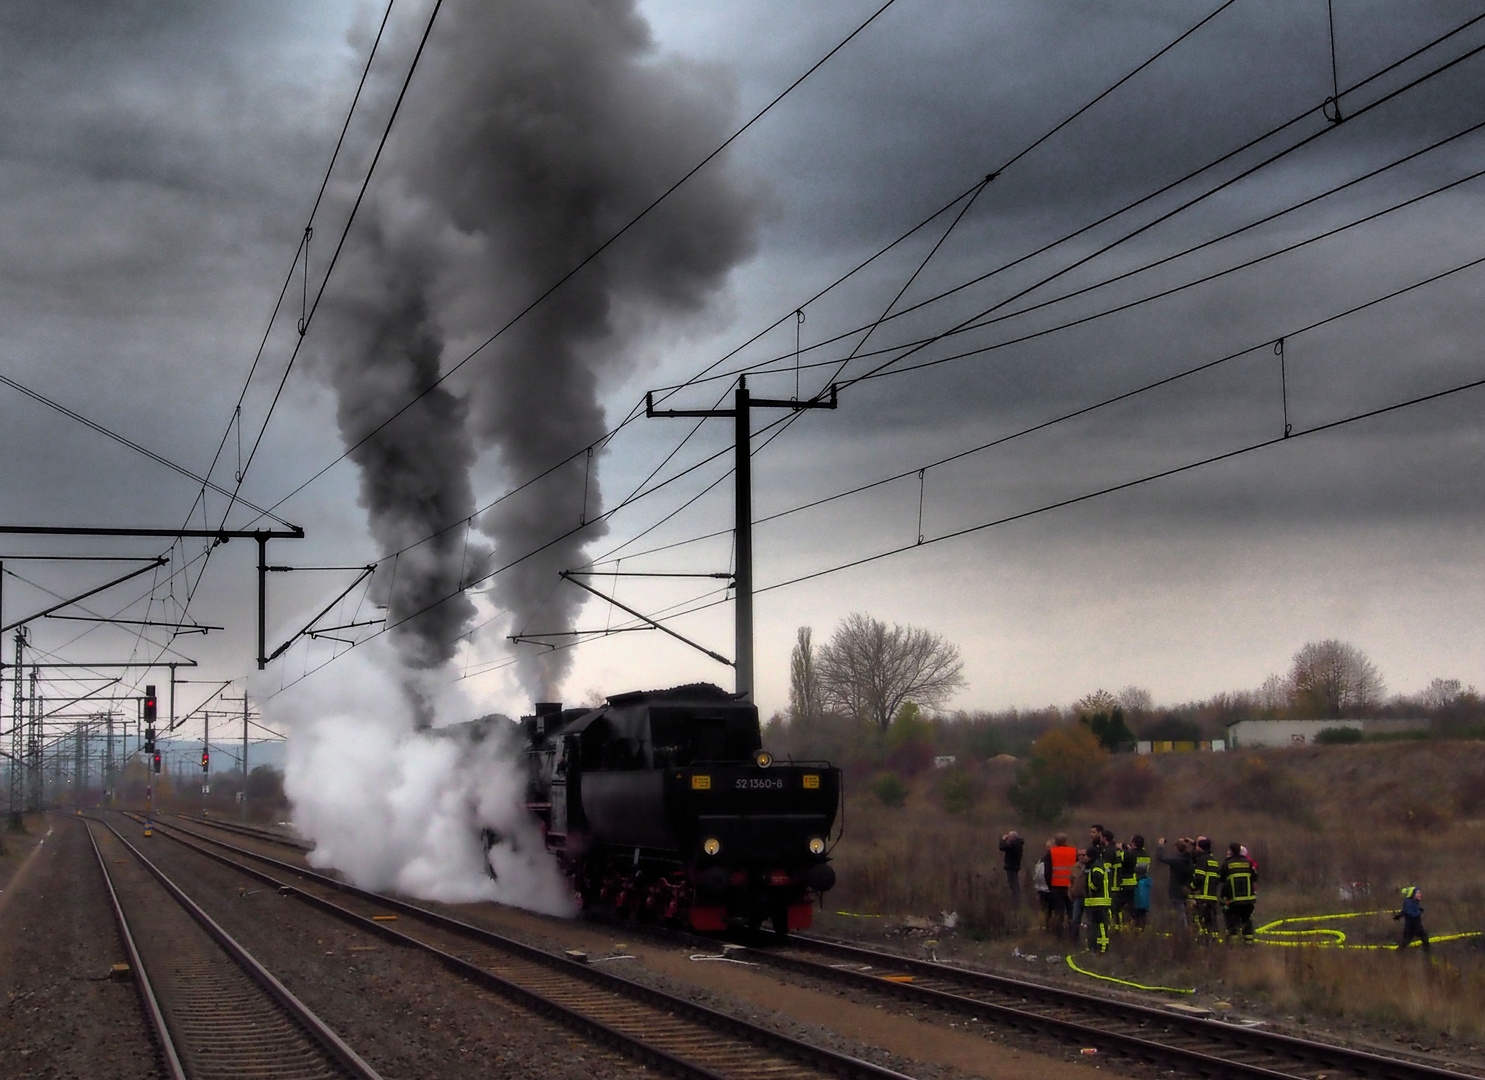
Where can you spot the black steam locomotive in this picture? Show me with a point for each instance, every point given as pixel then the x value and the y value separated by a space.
pixel 664 805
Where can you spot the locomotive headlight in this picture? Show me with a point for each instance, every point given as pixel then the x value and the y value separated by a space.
pixel 762 758
pixel 711 845
pixel 817 846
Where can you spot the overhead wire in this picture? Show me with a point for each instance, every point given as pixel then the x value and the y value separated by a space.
pixel 588 259
pixel 1184 206
pixel 969 194
pixel 305 321
pixel 236 420
pixel 206 482
pixel 1174 289
pixel 1137 202
pixel 1125 395
pixel 124 440
pixel 1161 261
pixel 1303 142
pixel 344 234
pixel 1140 481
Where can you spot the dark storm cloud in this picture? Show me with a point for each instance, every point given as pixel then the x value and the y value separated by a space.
pixel 157 162
pixel 928 123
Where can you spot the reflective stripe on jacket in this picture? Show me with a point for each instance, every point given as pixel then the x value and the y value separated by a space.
pixel 1237 879
pixel 1206 877
pixel 1098 887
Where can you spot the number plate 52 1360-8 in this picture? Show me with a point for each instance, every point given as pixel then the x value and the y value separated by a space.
pixel 757 782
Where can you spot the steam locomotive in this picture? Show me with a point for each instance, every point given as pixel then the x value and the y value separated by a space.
pixel 663 805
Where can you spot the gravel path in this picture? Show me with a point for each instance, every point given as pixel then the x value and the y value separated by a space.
pixel 63 1017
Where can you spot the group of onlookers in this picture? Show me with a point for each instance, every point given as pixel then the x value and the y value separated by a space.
pixel 1107 884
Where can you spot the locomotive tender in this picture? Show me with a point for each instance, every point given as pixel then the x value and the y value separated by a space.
pixel 663 804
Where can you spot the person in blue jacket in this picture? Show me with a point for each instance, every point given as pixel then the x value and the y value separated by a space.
pixel 1412 917
pixel 1140 900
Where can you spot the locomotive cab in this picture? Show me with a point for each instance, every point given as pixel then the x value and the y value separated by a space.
pixel 664 804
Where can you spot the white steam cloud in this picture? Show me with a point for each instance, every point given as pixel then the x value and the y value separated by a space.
pixel 400 808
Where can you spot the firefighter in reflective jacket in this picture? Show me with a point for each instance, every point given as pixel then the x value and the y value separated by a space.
pixel 1097 908
pixel 1121 874
pixel 1239 894
pixel 1206 885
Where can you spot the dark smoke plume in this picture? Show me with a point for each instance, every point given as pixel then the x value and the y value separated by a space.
pixel 415 473
pixel 540 127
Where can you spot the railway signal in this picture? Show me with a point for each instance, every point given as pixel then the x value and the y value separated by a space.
pixel 157 761
pixel 151 705
pixel 205 760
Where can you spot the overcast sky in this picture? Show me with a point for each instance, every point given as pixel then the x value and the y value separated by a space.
pixel 158 164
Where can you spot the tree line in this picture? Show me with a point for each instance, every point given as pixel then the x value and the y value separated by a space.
pixel 870 694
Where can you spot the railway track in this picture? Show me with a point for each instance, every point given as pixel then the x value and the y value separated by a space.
pixel 215 1011
pixel 272 836
pixel 1190 1043
pixel 676 1035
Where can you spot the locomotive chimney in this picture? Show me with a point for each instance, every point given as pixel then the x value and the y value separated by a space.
pixel 536 726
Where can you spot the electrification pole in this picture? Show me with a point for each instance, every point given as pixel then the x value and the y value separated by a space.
pixel 110 781
pixel 17 743
pixel 33 745
pixel 741 413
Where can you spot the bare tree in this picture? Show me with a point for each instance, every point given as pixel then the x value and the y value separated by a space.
pixel 804 679
pixel 1439 694
pixel 1272 697
pixel 1137 702
pixel 869 670
pixel 1333 677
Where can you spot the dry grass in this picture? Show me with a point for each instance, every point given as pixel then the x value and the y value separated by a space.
pixel 1319 821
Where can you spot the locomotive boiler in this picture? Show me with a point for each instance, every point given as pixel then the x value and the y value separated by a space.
pixel 664 805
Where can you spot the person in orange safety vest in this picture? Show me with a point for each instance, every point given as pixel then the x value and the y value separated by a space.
pixel 1064 858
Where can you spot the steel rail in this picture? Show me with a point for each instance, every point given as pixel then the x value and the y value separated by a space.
pixel 139 974
pixel 966 981
pixel 336 1048
pixel 266 835
pixel 763 1038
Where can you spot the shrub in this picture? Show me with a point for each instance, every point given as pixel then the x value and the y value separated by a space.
pixel 1073 754
pixel 1064 764
pixel 1132 782
pixel 889 790
pixel 958 791
pixel 1270 789
pixel 1037 793
pixel 1338 736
